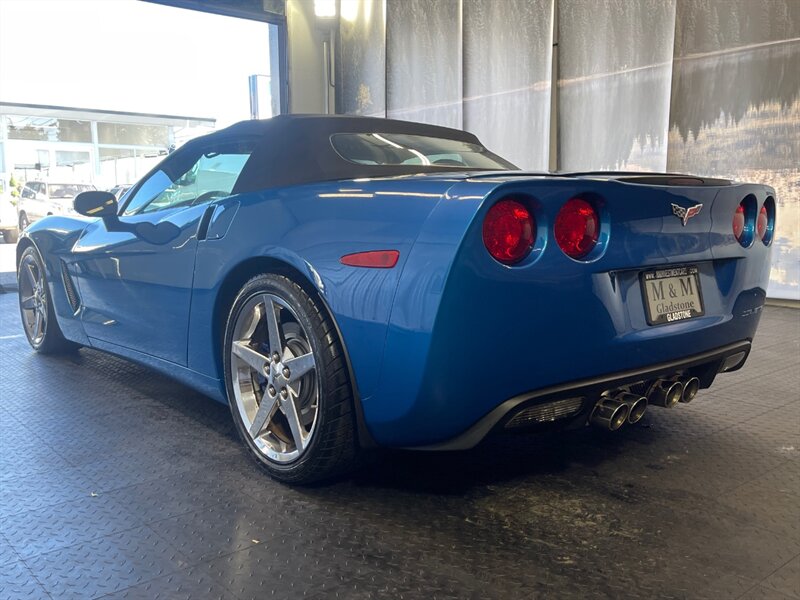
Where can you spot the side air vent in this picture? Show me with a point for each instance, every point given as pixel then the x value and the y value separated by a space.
pixel 545 413
pixel 69 286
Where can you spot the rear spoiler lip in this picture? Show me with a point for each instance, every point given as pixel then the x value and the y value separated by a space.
pixel 636 177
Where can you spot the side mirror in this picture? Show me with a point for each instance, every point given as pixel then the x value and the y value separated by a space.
pixel 96 204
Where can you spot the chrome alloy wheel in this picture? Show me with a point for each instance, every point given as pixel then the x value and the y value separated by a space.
pixel 275 380
pixel 33 299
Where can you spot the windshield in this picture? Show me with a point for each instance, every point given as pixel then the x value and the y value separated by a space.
pixel 406 149
pixel 68 190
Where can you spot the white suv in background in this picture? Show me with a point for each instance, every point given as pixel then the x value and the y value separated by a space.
pixel 39 199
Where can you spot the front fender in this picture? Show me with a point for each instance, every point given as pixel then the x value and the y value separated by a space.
pixel 54 238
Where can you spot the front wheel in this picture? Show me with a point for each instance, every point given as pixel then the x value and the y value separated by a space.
pixel 36 306
pixel 288 385
pixel 23 221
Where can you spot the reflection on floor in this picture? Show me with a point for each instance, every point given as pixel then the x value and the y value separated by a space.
pixel 119 483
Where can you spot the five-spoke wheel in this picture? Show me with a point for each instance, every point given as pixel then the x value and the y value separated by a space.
pixel 275 379
pixel 36 306
pixel 289 391
pixel 32 298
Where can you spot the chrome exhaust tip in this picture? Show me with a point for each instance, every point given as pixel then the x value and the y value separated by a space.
pixel 690 388
pixel 637 405
pixel 666 393
pixel 610 414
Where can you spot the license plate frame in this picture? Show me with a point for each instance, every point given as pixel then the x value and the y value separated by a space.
pixel 658 298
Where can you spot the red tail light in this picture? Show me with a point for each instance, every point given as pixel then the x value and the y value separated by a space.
pixel 509 231
pixel 739 220
pixel 762 222
pixel 765 224
pixel 577 228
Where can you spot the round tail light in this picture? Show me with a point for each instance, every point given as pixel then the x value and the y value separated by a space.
pixel 761 223
pixel 509 231
pixel 739 223
pixel 577 228
pixel 744 221
pixel 765 222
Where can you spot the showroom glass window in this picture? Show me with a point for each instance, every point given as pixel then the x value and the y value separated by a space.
pixel 191 176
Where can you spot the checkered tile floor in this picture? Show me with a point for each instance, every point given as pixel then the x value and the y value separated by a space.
pixel 116 482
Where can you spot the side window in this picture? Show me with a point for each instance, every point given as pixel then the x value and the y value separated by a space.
pixel 27 192
pixel 192 176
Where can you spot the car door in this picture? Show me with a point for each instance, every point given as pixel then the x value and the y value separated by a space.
pixel 135 275
pixel 42 200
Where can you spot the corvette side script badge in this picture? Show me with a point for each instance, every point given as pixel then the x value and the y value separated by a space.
pixel 684 214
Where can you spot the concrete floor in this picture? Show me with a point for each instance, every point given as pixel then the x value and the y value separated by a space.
pixel 116 482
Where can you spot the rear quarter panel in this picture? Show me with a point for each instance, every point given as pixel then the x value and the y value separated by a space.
pixel 310 228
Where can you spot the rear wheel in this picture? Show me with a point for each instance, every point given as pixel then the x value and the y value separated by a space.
pixel 11 236
pixel 288 386
pixel 36 306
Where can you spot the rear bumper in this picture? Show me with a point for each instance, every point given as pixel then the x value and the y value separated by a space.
pixel 705 366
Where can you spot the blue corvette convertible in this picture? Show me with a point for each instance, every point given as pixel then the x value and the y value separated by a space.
pixel 346 283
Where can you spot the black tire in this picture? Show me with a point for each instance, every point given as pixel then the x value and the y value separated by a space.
pixel 333 447
pixel 23 221
pixel 51 340
pixel 11 236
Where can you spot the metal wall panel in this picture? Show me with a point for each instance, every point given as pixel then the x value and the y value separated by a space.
pixel 507 72
pixel 423 61
pixel 361 84
pixel 614 83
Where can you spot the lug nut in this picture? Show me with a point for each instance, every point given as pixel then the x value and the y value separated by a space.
pixel 284 393
pixel 286 373
pixel 275 357
pixel 271 391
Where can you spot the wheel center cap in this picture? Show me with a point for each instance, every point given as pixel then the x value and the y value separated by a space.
pixel 277 370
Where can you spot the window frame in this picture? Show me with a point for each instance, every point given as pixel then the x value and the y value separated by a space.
pixel 201 149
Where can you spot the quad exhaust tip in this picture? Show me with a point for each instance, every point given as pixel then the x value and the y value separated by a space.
pixel 610 413
pixel 666 393
pixel 614 409
pixel 690 388
pixel 637 406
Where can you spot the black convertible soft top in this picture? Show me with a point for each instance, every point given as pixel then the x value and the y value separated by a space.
pixel 297 149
